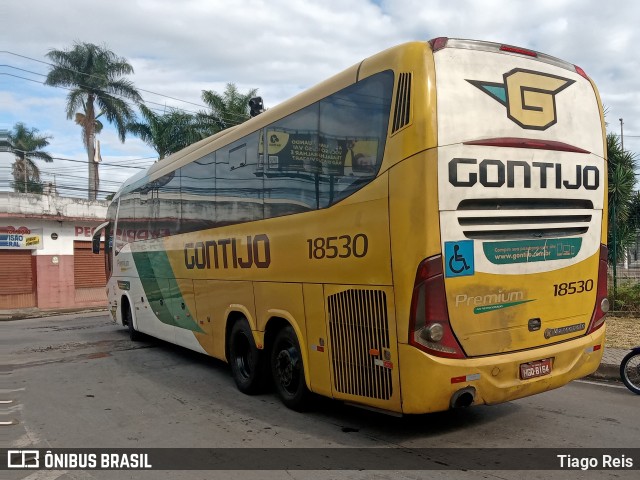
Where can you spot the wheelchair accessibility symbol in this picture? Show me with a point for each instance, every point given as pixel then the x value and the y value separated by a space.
pixel 459 258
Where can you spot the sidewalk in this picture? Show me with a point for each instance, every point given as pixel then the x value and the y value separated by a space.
pixel 21 313
pixel 609 368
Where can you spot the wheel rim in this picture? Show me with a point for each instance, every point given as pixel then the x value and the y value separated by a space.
pixel 288 369
pixel 242 354
pixel 632 371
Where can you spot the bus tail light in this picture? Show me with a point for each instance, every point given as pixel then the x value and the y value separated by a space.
pixel 581 72
pixel 429 327
pixel 602 302
pixel 518 50
pixel 438 43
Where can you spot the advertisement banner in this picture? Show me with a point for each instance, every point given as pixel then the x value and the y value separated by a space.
pixel 21 238
pixel 323 154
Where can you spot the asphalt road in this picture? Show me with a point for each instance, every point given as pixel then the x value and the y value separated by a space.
pixel 78 381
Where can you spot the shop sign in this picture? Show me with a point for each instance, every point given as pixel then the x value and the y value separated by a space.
pixel 21 238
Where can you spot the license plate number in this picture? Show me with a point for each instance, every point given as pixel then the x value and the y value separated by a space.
pixel 538 368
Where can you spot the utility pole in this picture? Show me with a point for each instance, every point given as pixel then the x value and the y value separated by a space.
pixel 24 164
pixel 91 187
pixel 615 227
pixel 93 167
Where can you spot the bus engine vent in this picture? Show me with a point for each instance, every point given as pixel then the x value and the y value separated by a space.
pixel 521 218
pixel 402 114
pixel 359 335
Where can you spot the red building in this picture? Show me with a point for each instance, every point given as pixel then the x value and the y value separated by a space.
pixel 45 252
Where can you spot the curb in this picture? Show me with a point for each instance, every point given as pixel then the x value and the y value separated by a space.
pixel 9 315
pixel 606 372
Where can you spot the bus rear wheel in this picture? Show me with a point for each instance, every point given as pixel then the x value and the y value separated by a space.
pixel 247 362
pixel 288 371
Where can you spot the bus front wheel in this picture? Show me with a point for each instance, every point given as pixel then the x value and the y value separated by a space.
pixel 288 371
pixel 247 362
pixel 134 335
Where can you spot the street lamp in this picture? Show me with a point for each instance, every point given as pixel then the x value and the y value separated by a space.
pixel 621 136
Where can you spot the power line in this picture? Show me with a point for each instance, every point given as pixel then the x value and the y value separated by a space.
pixel 64 176
pixel 128 160
pixel 71 89
pixel 238 116
pixel 162 111
pixel 82 191
pixel 67 176
pixel 94 76
pixel 101 164
pixel 625 135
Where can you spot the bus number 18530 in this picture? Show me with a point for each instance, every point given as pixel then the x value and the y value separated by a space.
pixel 344 246
pixel 562 289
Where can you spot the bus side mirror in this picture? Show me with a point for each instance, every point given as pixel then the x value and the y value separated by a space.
pixel 95 244
pixel 95 239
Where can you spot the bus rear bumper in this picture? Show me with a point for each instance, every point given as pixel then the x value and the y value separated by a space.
pixel 429 383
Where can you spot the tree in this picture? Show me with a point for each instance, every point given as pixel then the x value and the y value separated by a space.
pixel 166 133
pixel 226 110
pixel 621 170
pixel 95 77
pixel 27 144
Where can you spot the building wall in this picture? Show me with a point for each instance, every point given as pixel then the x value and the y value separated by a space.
pixel 60 222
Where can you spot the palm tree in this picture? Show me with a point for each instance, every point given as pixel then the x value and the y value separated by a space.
pixel 166 133
pixel 94 76
pixel 26 144
pixel 621 170
pixel 226 110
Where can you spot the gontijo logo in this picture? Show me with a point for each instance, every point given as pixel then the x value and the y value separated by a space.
pixel 530 97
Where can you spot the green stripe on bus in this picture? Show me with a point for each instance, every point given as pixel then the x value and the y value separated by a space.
pixel 499 306
pixel 162 290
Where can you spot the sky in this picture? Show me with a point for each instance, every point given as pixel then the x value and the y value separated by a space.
pixel 281 47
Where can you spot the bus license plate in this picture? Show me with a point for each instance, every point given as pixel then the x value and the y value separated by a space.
pixel 535 369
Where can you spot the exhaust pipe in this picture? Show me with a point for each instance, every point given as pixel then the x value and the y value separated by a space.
pixel 463 397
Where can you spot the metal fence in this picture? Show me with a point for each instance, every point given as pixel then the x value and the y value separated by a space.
pixel 624 290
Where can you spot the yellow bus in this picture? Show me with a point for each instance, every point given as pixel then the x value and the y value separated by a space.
pixel 423 231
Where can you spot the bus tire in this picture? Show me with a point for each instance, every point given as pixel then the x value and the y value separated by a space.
pixel 246 361
pixel 134 335
pixel 287 370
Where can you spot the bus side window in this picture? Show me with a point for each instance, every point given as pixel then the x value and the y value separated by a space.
pixel 126 221
pixel 165 206
pixel 291 169
pixel 353 131
pixel 197 194
pixel 239 188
